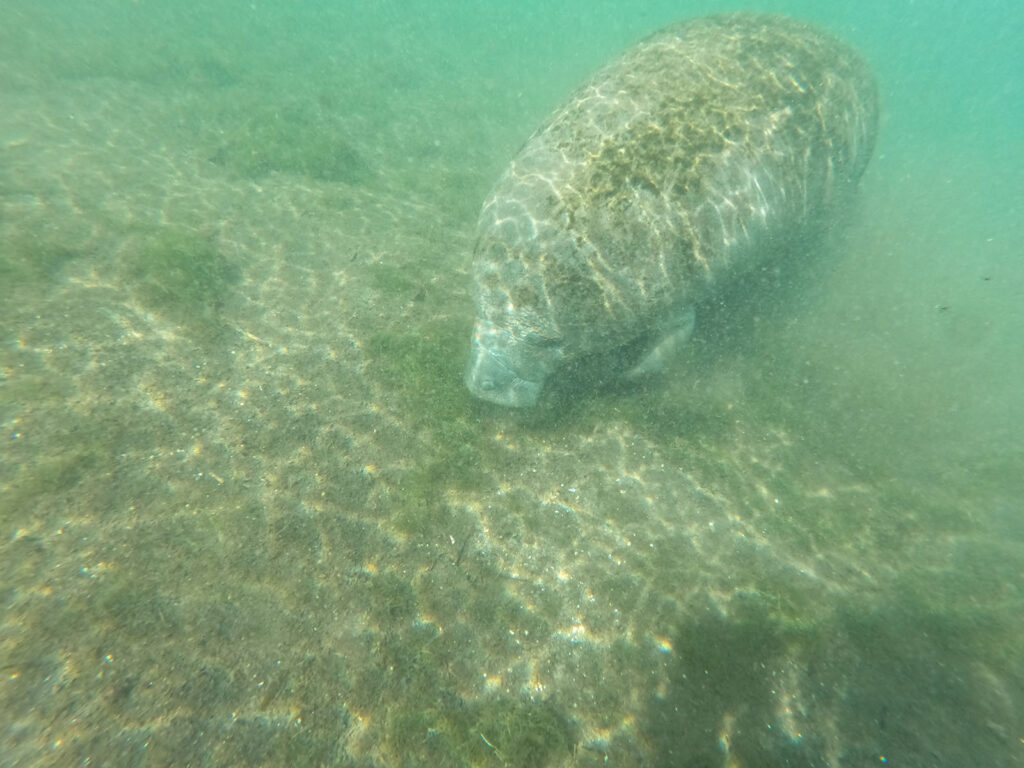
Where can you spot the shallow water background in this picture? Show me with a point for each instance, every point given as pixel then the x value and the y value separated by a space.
pixel 249 515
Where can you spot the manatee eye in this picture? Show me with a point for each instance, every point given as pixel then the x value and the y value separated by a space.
pixel 534 339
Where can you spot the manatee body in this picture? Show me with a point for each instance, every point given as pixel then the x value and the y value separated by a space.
pixel 699 153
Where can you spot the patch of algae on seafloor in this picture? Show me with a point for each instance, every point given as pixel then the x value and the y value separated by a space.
pixel 421 368
pixel 182 276
pixel 30 264
pixel 303 138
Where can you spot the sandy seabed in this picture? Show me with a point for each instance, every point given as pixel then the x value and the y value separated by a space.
pixel 251 517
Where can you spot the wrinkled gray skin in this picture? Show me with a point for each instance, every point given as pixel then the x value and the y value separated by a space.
pixel 699 153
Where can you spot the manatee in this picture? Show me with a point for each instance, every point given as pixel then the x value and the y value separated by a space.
pixel 706 149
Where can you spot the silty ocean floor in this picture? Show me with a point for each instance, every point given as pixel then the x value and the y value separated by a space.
pixel 250 516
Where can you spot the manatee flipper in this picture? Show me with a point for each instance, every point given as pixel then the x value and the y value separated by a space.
pixel 666 345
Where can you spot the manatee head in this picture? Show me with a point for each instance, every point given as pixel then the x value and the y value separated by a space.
pixel 516 344
pixel 509 367
pixel 540 301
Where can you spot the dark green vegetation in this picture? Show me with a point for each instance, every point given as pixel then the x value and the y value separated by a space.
pixel 421 369
pixel 307 138
pixel 31 264
pixel 183 276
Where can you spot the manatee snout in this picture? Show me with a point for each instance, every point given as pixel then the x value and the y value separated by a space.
pixel 505 371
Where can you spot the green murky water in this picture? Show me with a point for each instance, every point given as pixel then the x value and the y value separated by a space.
pixel 250 516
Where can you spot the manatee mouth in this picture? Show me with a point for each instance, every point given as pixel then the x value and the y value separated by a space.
pixel 490 377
